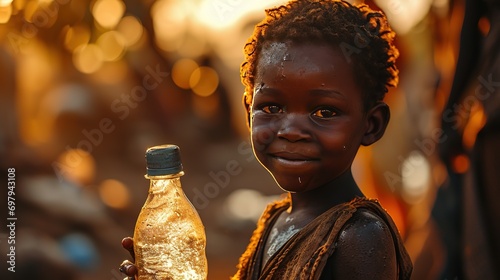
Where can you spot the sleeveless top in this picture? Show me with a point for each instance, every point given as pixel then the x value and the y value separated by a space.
pixel 305 254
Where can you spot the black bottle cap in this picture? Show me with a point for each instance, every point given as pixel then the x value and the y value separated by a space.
pixel 163 160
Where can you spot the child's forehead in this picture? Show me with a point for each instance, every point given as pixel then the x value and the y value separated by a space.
pixel 273 48
pixel 283 49
pixel 284 53
pixel 308 66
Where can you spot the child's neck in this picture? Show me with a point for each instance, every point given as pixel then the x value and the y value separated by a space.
pixel 342 189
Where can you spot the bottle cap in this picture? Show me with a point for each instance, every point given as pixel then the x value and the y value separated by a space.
pixel 163 160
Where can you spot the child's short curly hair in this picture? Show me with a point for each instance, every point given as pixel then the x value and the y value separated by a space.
pixel 361 33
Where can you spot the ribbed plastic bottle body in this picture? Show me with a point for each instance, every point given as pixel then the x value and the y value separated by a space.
pixel 169 237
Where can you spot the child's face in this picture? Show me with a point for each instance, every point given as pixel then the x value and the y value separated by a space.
pixel 307 117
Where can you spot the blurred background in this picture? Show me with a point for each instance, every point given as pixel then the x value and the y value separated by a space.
pixel 87 86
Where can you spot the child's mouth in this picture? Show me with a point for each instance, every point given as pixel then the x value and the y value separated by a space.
pixel 292 159
pixel 288 156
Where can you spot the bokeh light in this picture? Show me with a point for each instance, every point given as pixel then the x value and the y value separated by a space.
pixel 112 45
pixel 416 175
pixel 474 124
pixel 245 204
pixel 76 165
pixel 114 193
pixel 18 4
pixel 29 10
pixel 169 20
pixel 5 13
pixel 181 72
pixel 108 13
pixel 204 81
pixel 404 15
pixel 192 46
pixel 88 58
pixel 131 29
pixel 76 36
pixel 460 163
pixel 4 3
pixel 222 14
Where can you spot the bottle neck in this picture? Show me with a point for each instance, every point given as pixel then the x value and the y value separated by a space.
pixel 161 183
pixel 162 177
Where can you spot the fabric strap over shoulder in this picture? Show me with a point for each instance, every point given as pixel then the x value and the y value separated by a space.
pixel 305 255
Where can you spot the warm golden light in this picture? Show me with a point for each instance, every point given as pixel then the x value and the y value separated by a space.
pixel 29 10
pixel 460 163
pixel 222 14
pixel 415 176
pixel 88 58
pixel 181 72
pixel 246 204
pixel 404 15
pixel 76 165
pixel 34 130
pixel 169 20
pixel 38 72
pixel 5 13
pixel 19 4
pixel 112 45
pixel 242 203
pixel 204 81
pixel 76 36
pixel 484 25
pixel 5 3
pixel 108 12
pixel 114 194
pixel 131 29
pixel 192 46
pixel 476 121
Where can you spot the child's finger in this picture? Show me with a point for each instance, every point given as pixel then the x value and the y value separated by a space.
pixel 128 268
pixel 128 244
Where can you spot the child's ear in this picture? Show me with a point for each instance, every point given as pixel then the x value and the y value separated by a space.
pixel 247 108
pixel 377 119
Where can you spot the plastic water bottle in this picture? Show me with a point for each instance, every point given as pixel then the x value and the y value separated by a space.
pixel 169 237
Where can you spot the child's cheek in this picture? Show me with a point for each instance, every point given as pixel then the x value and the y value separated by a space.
pixel 262 134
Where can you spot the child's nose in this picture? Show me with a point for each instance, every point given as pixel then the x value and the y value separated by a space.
pixel 293 128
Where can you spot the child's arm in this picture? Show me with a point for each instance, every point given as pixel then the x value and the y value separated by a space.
pixel 365 250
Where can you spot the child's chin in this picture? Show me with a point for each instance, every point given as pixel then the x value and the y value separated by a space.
pixel 293 188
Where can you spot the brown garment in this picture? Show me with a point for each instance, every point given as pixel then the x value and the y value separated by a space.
pixel 304 256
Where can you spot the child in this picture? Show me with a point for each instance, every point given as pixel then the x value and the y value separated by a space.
pixel 315 74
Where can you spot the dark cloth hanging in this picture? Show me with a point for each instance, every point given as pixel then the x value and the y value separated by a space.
pixel 476 217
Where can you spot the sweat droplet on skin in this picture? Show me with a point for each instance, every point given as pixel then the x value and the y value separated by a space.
pixel 300 182
pixel 282 69
pixel 286 57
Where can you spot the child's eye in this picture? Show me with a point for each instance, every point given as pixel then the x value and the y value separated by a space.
pixel 272 109
pixel 325 113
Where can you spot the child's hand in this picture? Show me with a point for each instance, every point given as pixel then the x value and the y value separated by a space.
pixel 127 267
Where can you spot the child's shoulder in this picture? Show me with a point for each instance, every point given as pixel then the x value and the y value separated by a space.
pixel 367 228
pixel 368 240
pixel 365 220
